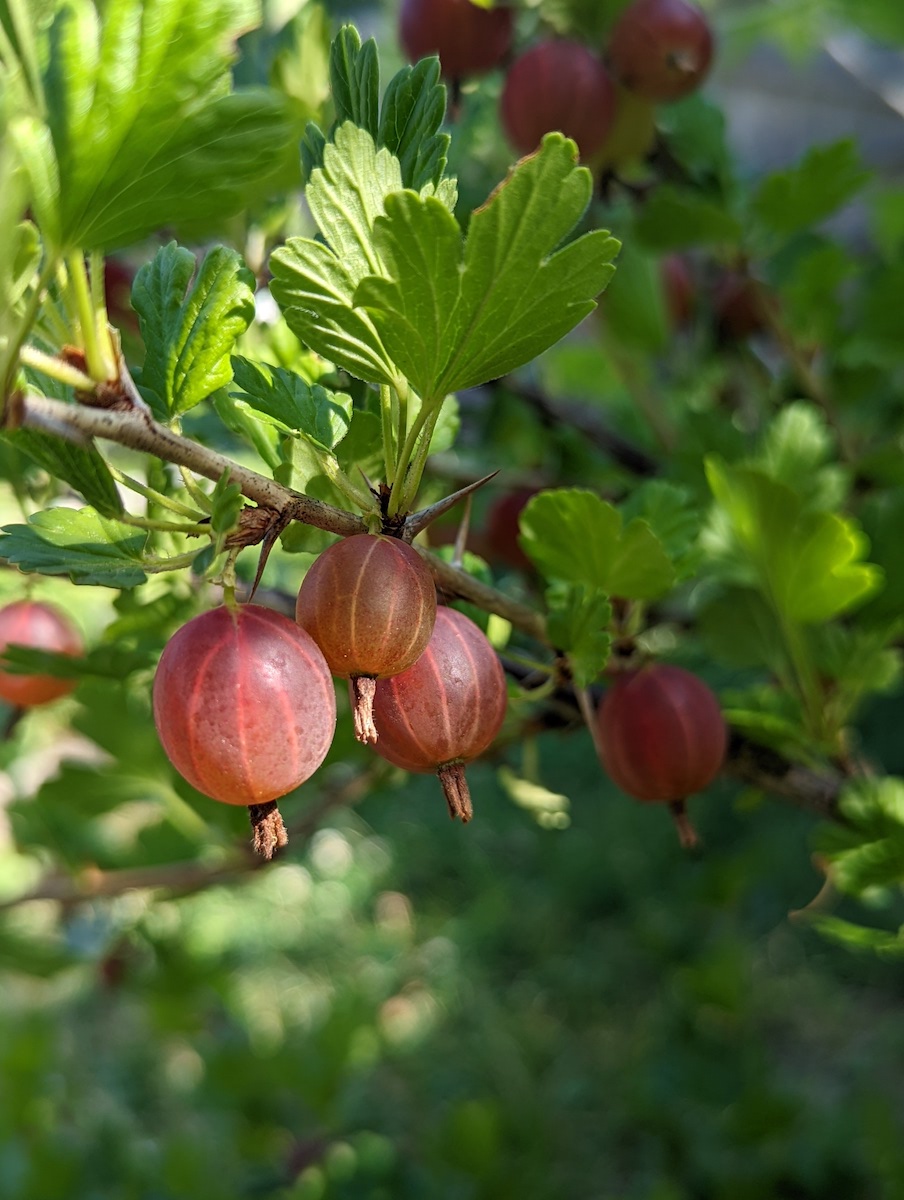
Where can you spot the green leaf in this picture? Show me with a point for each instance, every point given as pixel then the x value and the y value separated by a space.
pixel 634 304
pixel 574 536
pixel 292 405
pixel 825 179
pixel 858 937
pixel 313 283
pixel 740 629
pixel 577 622
pixel 82 544
pixel 141 129
pixel 25 259
pixel 808 563
pixel 454 314
pixel 300 68
pixel 225 505
pixel 263 436
pixel 796 450
pixel 668 511
pixel 316 293
pixel 80 466
pixel 675 219
pixel 103 662
pixel 190 326
pixel 355 80
pixel 347 194
pixel 362 447
pixel 414 108
pixel 870 852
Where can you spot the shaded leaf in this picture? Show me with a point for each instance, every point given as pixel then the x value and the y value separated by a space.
pixel 578 616
pixel 825 179
pixel 80 466
pixel 675 219
pixel 411 119
pixel 81 544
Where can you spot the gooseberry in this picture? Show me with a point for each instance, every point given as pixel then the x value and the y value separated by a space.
pixel 369 602
pixel 558 85
pixel 661 49
pixel 446 709
pixel 468 39
pixel 40 627
pixel 244 706
pixel 662 737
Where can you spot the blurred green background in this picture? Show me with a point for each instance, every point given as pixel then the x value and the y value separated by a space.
pixel 416 1009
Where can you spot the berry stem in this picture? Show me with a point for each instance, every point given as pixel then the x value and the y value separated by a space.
pixel 363 690
pixel 153 495
pixel 687 834
pixel 269 831
pixel 456 791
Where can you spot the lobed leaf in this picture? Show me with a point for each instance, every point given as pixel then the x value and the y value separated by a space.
pixel 411 119
pixel 809 564
pixel 79 543
pixel 190 325
pixel 574 536
pixel 578 616
pixel 292 405
pixel 825 179
pixel 82 467
pixel 315 291
pixel 355 80
pixel 140 128
pixel 455 313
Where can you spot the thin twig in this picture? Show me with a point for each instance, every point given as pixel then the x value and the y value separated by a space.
pixel 185 878
pixel 140 432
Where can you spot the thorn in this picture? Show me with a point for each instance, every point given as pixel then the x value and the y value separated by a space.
pixel 420 520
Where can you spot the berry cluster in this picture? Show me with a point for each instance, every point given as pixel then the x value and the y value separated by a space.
pixel 245 708
pixel 244 702
pixel 657 51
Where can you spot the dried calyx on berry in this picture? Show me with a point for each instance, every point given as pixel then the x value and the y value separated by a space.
pixel 245 709
pixel 444 710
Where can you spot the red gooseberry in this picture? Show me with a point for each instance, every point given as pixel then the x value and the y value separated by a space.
pixel 661 49
pixel 369 602
pixel 445 709
pixel 40 627
pixel 558 85
pixel 468 39
pixel 662 737
pixel 244 705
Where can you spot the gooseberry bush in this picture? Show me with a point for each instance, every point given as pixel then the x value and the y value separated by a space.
pixel 356 324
